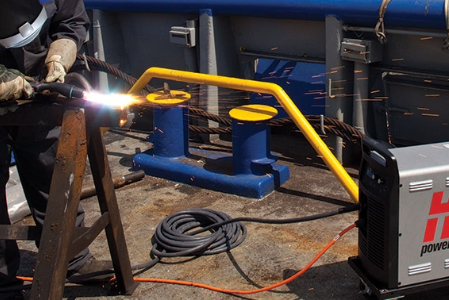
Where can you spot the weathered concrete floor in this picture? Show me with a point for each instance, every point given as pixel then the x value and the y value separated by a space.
pixel 271 253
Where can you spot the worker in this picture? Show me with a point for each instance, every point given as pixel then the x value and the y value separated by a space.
pixel 39 40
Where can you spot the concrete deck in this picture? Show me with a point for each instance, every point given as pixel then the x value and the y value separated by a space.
pixel 270 253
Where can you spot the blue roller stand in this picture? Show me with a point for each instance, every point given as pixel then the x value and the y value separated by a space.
pixel 249 172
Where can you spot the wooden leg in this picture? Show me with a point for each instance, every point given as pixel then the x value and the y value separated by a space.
pixel 108 204
pixel 63 200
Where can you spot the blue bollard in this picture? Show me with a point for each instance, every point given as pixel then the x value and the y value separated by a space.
pixel 254 174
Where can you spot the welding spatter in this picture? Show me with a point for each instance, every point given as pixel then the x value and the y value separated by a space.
pixel 64 89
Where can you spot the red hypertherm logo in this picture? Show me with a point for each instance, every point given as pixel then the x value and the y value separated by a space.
pixel 437 207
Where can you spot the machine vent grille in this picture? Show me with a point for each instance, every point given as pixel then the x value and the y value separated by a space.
pixel 419 269
pixel 421 185
pixel 376 234
pixel 446 263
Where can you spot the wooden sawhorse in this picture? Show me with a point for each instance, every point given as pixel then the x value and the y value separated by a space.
pixel 80 138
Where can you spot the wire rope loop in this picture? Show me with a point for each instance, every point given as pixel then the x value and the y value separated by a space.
pixel 380 26
pixel 182 234
pixel 446 17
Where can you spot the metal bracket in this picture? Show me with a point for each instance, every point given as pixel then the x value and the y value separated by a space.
pixel 364 51
pixel 185 36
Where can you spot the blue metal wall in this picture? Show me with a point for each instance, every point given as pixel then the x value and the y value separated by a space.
pixel 418 13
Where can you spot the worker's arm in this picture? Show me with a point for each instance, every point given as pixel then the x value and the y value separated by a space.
pixel 68 30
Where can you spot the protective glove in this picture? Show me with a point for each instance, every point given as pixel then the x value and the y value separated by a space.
pixel 60 58
pixel 14 85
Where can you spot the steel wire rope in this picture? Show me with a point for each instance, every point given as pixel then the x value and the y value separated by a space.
pixel 446 18
pixel 379 29
pixel 334 126
pixel 99 65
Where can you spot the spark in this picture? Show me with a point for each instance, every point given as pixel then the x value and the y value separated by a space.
pixel 315 93
pixel 113 100
pixel 372 99
pixel 336 68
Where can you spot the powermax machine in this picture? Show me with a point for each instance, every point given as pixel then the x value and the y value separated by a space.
pixel 404 219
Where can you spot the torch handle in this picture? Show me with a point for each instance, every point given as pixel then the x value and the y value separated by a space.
pixel 65 89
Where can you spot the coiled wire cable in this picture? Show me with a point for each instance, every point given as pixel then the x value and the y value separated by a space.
pixel 182 234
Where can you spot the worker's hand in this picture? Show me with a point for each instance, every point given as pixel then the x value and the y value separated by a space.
pixel 60 58
pixel 14 85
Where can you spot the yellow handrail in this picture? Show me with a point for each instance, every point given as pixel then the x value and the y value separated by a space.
pixel 264 88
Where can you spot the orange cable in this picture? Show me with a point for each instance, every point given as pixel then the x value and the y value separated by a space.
pixel 228 291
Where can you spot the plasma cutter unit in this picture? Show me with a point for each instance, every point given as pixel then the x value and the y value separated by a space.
pixel 403 243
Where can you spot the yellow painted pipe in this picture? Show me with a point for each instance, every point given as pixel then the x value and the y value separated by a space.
pixel 263 88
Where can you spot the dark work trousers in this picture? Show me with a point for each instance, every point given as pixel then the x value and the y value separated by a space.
pixel 34 150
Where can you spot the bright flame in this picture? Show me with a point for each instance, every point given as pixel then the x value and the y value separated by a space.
pixel 113 100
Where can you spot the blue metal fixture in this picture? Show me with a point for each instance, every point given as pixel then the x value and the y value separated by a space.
pixel 249 172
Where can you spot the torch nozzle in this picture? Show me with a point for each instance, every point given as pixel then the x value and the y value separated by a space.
pixel 65 89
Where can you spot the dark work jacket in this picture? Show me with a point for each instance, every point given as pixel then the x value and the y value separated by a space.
pixel 66 19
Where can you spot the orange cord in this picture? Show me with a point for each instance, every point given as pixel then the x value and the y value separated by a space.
pixel 228 291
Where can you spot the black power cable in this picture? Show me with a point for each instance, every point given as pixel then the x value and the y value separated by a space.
pixel 182 233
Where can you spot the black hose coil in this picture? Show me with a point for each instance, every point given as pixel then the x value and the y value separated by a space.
pixel 182 234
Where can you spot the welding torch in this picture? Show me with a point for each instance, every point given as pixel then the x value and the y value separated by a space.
pixel 65 89
pixel 70 91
